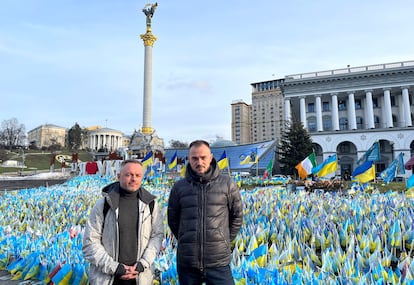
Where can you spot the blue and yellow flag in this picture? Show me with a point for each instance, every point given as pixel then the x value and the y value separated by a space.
pixel 365 172
pixel 223 161
pixel 328 166
pixel 249 157
pixel 147 160
pixel 173 161
pixel 372 154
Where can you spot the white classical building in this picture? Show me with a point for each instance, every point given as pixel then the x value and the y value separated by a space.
pixel 347 110
pixel 344 110
pixel 105 139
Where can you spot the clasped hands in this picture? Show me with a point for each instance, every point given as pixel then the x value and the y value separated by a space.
pixel 131 272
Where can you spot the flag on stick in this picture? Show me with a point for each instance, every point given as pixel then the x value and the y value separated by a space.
pixel 223 161
pixel 268 171
pixel 365 172
pixel 326 167
pixel 147 160
pixel 305 166
pixel 173 161
pixel 372 154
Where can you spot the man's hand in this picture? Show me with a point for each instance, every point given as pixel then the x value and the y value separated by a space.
pixel 131 272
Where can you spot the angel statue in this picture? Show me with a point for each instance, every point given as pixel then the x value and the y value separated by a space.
pixel 149 10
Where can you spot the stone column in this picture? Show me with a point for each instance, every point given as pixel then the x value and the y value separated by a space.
pixel 351 111
pixel 319 123
pixel 407 109
pixel 369 109
pixel 387 109
pixel 303 112
pixel 335 114
pixel 287 110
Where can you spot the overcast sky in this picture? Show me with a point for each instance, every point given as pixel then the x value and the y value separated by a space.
pixel 82 61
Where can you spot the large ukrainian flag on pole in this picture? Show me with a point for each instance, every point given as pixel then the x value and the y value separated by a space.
pixel 223 161
pixel 173 161
pixel 328 166
pixel 365 172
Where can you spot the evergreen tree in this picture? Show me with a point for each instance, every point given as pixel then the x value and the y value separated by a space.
pixel 75 137
pixel 295 145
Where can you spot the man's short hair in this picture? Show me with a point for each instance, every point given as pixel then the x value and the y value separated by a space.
pixel 199 142
pixel 126 161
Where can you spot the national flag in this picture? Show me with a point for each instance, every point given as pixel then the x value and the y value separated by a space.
pixel 147 160
pixel 173 161
pixel 223 161
pixel 400 165
pixel 365 172
pixel 328 166
pixel 268 171
pixel 259 255
pixel 305 166
pixel 183 170
pixel 410 182
pixel 249 157
pixel 396 167
pixel 63 276
pixel 372 154
pixel 389 173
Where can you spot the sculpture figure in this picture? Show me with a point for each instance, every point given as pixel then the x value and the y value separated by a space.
pixel 149 10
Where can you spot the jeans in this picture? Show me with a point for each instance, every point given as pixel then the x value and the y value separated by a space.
pixel 211 276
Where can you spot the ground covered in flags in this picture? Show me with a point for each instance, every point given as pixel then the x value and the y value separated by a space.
pixel 288 237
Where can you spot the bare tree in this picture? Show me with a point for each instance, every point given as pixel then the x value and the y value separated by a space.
pixel 12 134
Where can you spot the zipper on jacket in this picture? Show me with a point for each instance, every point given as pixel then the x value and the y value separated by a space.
pixel 202 226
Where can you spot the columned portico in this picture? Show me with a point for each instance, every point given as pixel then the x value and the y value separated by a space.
pixel 356 106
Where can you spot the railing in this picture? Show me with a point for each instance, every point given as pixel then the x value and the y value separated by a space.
pixel 350 70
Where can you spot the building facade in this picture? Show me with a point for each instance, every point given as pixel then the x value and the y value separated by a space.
pixel 105 139
pixel 240 122
pixel 47 135
pixel 346 110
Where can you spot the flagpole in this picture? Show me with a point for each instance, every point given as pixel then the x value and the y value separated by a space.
pixel 228 166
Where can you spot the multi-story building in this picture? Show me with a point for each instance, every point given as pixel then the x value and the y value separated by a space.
pixel 263 120
pixel 104 139
pixel 347 110
pixel 47 135
pixel 240 122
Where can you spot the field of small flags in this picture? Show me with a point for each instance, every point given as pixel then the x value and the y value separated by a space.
pixel 288 237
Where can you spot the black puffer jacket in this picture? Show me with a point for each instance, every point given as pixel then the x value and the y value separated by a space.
pixel 205 214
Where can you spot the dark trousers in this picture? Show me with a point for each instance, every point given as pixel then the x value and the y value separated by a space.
pixel 211 276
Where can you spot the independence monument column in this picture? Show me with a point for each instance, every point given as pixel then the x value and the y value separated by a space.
pixel 146 139
pixel 149 40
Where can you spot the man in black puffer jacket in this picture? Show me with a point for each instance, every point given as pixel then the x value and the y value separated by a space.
pixel 205 213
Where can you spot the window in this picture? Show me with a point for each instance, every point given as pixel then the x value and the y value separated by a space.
pixel 325 106
pixel 358 104
pixel 375 102
pixel 312 124
pixel 342 105
pixel 360 123
pixel 343 124
pixel 393 101
pixel 327 123
pixel 311 108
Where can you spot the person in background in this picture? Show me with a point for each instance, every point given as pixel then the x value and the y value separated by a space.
pixel 121 242
pixel 205 214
